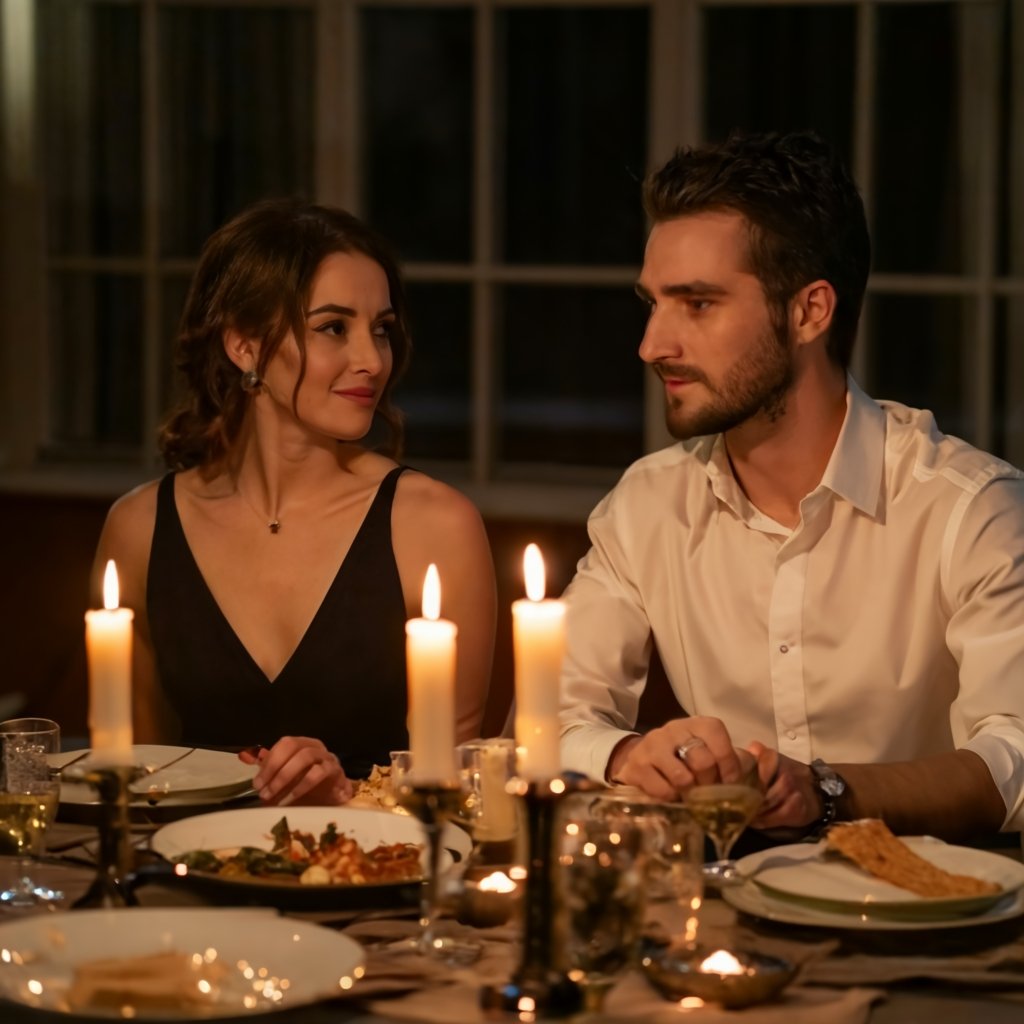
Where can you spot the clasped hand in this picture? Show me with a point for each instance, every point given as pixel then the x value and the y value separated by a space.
pixel 653 763
pixel 299 770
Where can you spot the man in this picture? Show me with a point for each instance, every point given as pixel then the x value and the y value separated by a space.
pixel 835 588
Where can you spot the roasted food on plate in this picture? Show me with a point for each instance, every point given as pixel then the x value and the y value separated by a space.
pixel 331 859
pixel 871 846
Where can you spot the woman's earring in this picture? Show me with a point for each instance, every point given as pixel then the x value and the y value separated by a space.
pixel 251 381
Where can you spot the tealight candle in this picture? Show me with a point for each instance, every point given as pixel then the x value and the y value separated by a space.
pixel 538 640
pixel 430 663
pixel 108 641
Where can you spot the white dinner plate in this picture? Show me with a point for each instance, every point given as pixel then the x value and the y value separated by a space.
pixel 751 899
pixel 807 874
pixel 250 826
pixel 195 776
pixel 273 962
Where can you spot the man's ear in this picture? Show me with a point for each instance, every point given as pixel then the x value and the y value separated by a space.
pixel 811 311
pixel 242 351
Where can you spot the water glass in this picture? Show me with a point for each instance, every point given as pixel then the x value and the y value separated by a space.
pixel 602 900
pixel 674 844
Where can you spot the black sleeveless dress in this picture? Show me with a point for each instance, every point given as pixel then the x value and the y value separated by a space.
pixel 345 683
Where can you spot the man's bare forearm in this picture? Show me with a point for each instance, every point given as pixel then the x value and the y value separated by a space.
pixel 951 796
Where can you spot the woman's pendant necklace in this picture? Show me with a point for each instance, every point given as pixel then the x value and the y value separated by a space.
pixel 273 525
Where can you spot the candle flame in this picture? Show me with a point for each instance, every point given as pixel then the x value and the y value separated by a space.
pixel 432 593
pixel 111 590
pixel 533 570
pixel 496 881
pixel 722 962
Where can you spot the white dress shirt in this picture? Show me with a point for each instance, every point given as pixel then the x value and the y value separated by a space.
pixel 887 625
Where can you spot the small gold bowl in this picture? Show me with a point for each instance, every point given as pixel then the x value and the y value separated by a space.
pixel 732 980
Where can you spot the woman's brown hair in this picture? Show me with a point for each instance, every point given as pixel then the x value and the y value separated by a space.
pixel 254 276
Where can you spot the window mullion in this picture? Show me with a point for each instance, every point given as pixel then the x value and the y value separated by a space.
pixel 484 333
pixel 152 297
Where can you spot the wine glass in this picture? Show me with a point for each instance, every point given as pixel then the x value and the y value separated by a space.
pixel 434 804
pixel 601 876
pixel 723 810
pixel 29 793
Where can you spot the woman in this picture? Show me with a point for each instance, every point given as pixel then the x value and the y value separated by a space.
pixel 272 570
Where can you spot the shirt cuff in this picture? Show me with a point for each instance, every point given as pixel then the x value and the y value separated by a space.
pixel 1003 754
pixel 587 748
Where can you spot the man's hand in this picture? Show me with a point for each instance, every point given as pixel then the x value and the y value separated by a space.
pixel 683 753
pixel 792 798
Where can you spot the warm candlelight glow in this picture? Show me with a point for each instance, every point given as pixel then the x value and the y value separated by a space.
pixel 538 640
pixel 111 590
pixel 108 641
pixel 430 662
pixel 432 593
pixel 496 881
pixel 533 571
pixel 722 962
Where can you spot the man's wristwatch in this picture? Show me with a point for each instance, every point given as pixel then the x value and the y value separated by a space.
pixel 832 786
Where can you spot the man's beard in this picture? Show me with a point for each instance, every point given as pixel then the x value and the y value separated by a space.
pixel 756 386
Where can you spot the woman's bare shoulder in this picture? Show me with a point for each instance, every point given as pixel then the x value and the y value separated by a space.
pixel 433 503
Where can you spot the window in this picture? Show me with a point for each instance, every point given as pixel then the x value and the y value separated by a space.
pixel 500 145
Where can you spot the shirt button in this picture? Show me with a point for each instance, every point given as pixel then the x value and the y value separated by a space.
pixel 784 648
pixel 791 735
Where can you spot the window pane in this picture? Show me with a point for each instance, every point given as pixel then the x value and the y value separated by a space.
pixel 418 117
pixel 575 134
pixel 237 94
pixel 434 393
pixel 96 390
pixel 918 175
pixel 923 356
pixel 173 302
pixel 1008 412
pixel 571 379
pixel 90 128
pixel 781 69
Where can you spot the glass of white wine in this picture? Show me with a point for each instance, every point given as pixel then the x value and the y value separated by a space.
pixel 724 810
pixel 29 792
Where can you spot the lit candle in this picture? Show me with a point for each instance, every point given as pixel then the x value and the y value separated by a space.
pixel 430 663
pixel 496 821
pixel 538 640
pixel 108 642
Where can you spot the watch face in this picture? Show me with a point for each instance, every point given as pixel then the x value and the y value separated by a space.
pixel 828 780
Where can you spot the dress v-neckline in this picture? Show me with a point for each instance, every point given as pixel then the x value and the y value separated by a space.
pixel 311 625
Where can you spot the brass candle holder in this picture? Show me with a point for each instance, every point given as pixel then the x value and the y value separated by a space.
pixel 540 985
pixel 115 857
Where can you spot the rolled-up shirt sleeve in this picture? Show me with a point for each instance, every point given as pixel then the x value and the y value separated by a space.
pixel 608 645
pixel 983 580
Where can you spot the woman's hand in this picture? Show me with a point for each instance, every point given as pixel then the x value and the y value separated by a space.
pixel 299 770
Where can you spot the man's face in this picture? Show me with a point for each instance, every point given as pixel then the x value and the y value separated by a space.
pixel 710 335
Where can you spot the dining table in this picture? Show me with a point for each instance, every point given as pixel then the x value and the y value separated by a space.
pixel 846 976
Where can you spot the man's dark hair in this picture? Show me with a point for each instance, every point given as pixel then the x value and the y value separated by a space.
pixel 805 215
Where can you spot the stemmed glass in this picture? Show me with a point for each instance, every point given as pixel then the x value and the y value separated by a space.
pixel 29 793
pixel 724 810
pixel 434 804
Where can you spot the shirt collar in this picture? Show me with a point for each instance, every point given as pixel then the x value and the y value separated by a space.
pixel 854 470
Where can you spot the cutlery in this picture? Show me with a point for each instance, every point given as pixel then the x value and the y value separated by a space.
pixel 167 764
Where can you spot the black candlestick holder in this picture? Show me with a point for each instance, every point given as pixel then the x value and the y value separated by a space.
pixel 115 857
pixel 540 985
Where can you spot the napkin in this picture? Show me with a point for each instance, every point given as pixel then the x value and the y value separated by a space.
pixel 406 986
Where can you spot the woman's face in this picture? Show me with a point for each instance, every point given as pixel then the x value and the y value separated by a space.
pixel 348 349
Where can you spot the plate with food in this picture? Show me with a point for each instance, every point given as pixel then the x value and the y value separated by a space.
pixel 305 857
pixel 160 963
pixel 862 868
pixel 176 780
